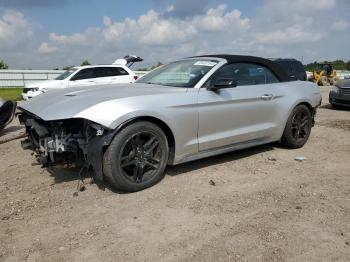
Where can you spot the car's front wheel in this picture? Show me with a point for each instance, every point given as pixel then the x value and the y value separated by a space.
pixel 298 127
pixel 137 157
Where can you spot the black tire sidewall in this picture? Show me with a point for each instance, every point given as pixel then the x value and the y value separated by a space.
pixel 287 139
pixel 112 168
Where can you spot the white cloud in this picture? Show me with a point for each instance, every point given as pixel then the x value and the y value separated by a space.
pixel 150 34
pixel 154 29
pixel 14 30
pixel 78 39
pixel 279 28
pixel 295 28
pixel 297 6
pixel 314 4
pixel 340 25
pixel 46 48
pixel 288 36
pixel 218 19
pixel 170 8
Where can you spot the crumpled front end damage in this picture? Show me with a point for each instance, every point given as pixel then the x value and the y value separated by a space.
pixel 69 142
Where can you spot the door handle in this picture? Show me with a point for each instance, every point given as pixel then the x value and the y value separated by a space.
pixel 266 97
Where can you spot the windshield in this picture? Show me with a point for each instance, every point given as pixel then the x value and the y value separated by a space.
pixel 184 73
pixel 66 74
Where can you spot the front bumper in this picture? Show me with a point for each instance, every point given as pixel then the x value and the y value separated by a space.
pixel 339 98
pixel 71 142
pixel 31 94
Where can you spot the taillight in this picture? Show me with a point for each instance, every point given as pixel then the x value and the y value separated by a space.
pixel 136 77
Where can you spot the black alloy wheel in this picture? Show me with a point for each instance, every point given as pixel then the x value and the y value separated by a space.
pixel 137 157
pixel 298 127
pixel 141 156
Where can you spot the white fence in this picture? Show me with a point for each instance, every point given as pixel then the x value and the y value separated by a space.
pixel 343 74
pixel 18 78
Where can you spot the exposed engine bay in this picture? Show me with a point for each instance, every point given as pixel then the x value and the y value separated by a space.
pixel 70 142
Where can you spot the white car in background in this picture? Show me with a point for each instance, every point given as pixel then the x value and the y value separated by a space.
pixel 116 73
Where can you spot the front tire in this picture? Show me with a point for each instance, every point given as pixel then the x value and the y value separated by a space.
pixel 298 127
pixel 137 157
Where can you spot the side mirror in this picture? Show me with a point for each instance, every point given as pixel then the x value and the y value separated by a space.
pixel 223 83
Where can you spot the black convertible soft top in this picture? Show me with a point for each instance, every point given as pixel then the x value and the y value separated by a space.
pixel 274 67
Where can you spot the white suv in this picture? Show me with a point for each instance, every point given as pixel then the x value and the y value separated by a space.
pixel 84 76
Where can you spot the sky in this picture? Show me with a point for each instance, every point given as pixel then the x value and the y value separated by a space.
pixel 47 34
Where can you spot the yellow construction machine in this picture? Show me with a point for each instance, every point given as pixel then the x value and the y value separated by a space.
pixel 324 75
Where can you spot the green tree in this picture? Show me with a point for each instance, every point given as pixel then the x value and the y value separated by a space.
pixel 348 65
pixel 67 67
pixel 338 65
pixel 156 65
pixel 3 65
pixel 85 63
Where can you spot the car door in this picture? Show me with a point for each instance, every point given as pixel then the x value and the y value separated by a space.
pixel 84 77
pixel 241 113
pixel 120 75
pixel 103 75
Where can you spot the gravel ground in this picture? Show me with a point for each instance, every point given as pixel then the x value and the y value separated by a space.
pixel 253 205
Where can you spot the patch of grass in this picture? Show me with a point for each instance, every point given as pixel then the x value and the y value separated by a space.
pixel 11 93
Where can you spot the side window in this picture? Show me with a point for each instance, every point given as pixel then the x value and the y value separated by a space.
pixel 84 74
pixel 288 67
pixel 101 71
pixel 298 67
pixel 270 77
pixel 244 74
pixel 110 71
pixel 118 71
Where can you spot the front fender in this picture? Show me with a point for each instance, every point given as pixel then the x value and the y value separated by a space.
pixel 138 114
pixel 111 114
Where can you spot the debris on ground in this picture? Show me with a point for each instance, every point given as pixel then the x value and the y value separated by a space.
pixel 272 159
pixel 12 136
pixel 300 158
pixel 211 182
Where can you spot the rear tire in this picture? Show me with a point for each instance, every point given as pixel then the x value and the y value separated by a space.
pixel 298 127
pixel 137 157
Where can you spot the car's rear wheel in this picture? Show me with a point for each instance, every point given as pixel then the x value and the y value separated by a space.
pixel 137 157
pixel 298 127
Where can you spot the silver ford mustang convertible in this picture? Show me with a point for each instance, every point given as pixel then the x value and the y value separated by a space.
pixel 189 109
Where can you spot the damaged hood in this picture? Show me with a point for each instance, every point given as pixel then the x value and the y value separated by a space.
pixel 96 104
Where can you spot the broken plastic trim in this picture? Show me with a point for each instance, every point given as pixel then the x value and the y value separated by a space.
pixel 96 148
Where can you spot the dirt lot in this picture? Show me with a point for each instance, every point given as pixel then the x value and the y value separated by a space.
pixel 253 205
